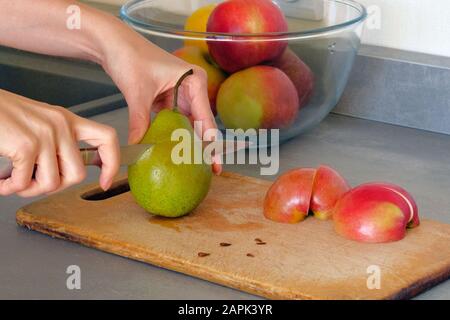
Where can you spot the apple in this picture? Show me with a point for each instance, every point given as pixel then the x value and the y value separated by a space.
pixel 246 17
pixel 299 73
pixel 329 187
pixel 216 77
pixel 197 22
pixel 288 199
pixel 319 191
pixel 415 220
pixel 376 213
pixel 260 97
pixel 373 212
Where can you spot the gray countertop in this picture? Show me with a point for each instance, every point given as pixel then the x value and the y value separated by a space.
pixel 34 266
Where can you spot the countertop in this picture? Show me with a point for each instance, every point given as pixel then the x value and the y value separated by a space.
pixel 34 266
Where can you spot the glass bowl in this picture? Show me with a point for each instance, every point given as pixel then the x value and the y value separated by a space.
pixel 324 34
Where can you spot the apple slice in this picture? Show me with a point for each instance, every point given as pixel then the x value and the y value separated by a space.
pixel 329 187
pixel 288 199
pixel 414 220
pixel 375 212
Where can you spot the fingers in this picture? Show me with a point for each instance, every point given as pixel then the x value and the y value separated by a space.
pixel 41 142
pixel 163 101
pixel 23 166
pixel 47 172
pixel 200 106
pixel 217 165
pixel 56 161
pixel 138 124
pixel 201 111
pixel 138 121
pixel 71 167
pixel 104 138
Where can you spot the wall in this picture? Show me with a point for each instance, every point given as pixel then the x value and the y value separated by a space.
pixel 413 25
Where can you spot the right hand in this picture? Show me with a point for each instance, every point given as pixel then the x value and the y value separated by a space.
pixel 35 134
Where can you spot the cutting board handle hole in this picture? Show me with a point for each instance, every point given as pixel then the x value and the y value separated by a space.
pixel 118 188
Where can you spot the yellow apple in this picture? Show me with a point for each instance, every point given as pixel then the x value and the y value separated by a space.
pixel 197 22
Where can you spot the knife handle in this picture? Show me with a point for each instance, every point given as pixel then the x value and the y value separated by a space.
pixel 90 157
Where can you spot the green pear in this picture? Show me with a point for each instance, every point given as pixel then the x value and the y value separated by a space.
pixel 161 186
pixel 166 122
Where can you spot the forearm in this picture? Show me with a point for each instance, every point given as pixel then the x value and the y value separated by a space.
pixel 42 26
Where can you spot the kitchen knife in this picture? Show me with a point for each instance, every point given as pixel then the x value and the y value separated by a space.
pixel 128 155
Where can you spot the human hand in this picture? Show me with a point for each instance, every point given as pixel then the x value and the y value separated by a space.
pixel 143 72
pixel 146 75
pixel 41 138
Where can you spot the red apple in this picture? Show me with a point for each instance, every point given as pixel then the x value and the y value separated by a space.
pixel 375 212
pixel 299 73
pixel 260 97
pixel 289 197
pixel 246 17
pixel 329 187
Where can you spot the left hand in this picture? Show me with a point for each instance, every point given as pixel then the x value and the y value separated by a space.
pixel 146 75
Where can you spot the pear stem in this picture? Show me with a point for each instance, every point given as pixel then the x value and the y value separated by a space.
pixel 177 86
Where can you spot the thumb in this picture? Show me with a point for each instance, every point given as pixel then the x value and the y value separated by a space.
pixel 138 123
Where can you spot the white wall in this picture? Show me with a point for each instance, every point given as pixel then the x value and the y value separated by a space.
pixel 413 25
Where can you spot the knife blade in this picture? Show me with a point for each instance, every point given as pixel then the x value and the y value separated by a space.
pixel 128 155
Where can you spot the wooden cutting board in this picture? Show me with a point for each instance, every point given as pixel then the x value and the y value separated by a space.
pixel 302 261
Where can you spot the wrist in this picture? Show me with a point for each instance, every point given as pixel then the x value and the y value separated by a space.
pixel 116 41
pixel 101 34
pixel 96 30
